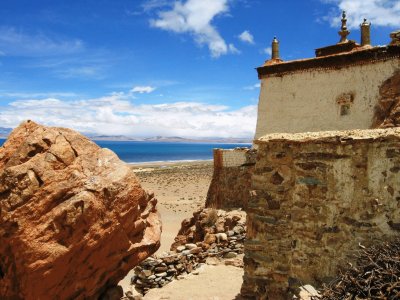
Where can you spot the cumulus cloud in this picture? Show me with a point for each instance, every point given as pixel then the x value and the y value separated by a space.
pixel 15 42
pixel 195 17
pixel 267 51
pixel 378 12
pixel 246 37
pixel 116 115
pixel 143 89
pixel 233 49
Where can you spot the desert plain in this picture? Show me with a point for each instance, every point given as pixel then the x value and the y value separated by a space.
pixel 181 189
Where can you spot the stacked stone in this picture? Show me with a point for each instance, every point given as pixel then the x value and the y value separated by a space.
pixel 184 258
pixel 230 244
pixel 155 272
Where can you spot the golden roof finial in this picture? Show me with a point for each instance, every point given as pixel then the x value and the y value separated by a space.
pixel 344 32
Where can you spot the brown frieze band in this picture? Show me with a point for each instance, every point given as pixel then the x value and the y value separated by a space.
pixel 331 62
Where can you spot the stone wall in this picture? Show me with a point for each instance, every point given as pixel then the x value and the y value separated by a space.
pixel 231 181
pixel 316 199
pixel 320 99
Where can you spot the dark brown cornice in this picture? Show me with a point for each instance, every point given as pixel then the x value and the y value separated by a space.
pixel 338 61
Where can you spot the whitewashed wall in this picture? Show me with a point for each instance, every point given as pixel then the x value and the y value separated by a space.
pixel 307 101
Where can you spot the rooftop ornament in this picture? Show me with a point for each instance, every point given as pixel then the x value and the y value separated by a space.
pixel 395 36
pixel 365 33
pixel 275 59
pixel 344 32
pixel 275 49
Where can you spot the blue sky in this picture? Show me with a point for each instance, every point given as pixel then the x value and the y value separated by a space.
pixel 159 67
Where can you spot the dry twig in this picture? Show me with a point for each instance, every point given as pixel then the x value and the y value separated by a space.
pixel 376 275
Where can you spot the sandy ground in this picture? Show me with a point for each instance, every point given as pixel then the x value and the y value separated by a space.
pixel 212 283
pixel 181 189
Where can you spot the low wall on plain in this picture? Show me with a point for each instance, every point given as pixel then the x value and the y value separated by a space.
pixel 230 186
pixel 316 199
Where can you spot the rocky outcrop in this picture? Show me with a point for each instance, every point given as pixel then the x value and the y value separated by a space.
pixel 73 217
pixel 387 111
pixel 208 225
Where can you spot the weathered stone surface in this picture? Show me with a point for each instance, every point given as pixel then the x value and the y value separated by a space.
pixel 338 190
pixel 202 227
pixel 190 250
pixel 231 182
pixel 73 217
pixel 387 110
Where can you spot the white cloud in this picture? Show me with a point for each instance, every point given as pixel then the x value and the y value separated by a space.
pixel 87 72
pixel 253 87
pixel 154 4
pixel 114 115
pixel 143 89
pixel 195 17
pixel 233 49
pixel 15 42
pixel 267 51
pixel 246 37
pixel 24 95
pixel 93 64
pixel 378 12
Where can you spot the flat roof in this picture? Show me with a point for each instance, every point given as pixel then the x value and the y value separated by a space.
pixel 337 61
pixel 343 136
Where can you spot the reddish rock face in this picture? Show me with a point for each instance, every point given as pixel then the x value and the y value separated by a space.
pixel 73 217
pixel 387 111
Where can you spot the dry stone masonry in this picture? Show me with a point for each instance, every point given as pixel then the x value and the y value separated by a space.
pixel 231 180
pixel 208 234
pixel 316 197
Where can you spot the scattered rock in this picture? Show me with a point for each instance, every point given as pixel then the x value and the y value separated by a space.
pixel 307 292
pixel 230 255
pixel 190 246
pixel 180 248
pixel 198 242
pixel 235 262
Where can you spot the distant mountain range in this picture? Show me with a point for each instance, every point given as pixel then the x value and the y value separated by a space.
pixel 175 139
pixel 4 132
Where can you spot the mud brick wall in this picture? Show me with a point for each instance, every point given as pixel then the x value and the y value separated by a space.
pixel 231 182
pixel 310 98
pixel 316 197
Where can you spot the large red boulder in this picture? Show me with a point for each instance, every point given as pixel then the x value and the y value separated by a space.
pixel 73 217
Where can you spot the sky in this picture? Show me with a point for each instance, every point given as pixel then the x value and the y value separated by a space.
pixel 145 68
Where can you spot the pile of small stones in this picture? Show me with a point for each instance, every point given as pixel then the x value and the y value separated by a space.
pixel 157 271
